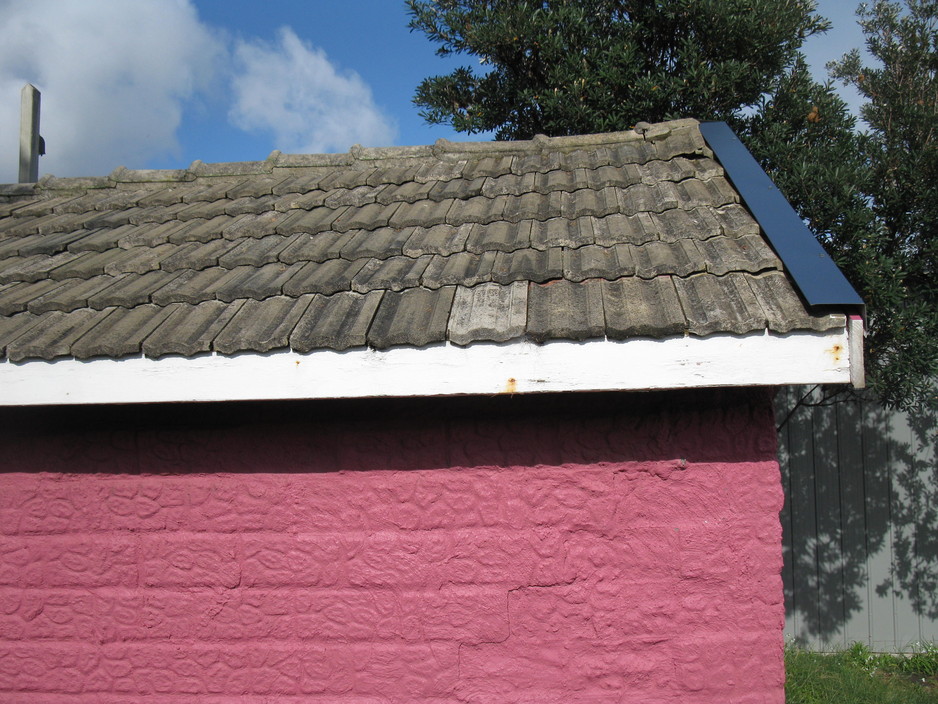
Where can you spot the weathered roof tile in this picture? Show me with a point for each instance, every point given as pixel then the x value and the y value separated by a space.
pixel 130 291
pixel 120 335
pixel 628 234
pixel 565 310
pixel 438 239
pixel 535 265
pixel 642 308
pixel 488 312
pixel 261 326
pixel 392 274
pixel 190 330
pixel 335 322
pixel 327 278
pixel 56 336
pixel 416 316
pixel 715 304
pixel 461 268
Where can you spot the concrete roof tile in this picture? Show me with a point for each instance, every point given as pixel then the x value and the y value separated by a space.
pixel 424 213
pixel 620 229
pixel 13 326
pixel 255 187
pixel 56 336
pixel 14 298
pixel 367 217
pixel 584 203
pixel 256 282
pixel 438 239
pixel 750 253
pixel 561 232
pixel 488 167
pixel 71 294
pixel 101 240
pixel 594 262
pixel 201 230
pixel 713 304
pixel 315 248
pixel 312 222
pixel 451 240
pixel 461 268
pixel 457 188
pixel 347 178
pixel 507 185
pixel 783 309
pixel 261 326
pixel 256 252
pixel 382 243
pixel 190 330
pixel 130 291
pixel 354 197
pixel 33 268
pixel 190 286
pixel 335 322
pixel 327 278
pixel 679 224
pixel 736 221
pixel 488 312
pixel 196 255
pixel 415 316
pixel 409 192
pixel 654 259
pixel 392 274
pixel 256 226
pixel 249 206
pixel 308 181
pixel 203 211
pixel 642 308
pixel 565 310
pixel 139 260
pixel 156 214
pixel 533 206
pixel 306 200
pixel 500 236
pixel 120 335
pixel 149 235
pixel 528 265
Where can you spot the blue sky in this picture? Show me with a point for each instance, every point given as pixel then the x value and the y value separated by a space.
pixel 160 83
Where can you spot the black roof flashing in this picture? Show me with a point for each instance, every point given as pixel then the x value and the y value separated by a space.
pixel 813 272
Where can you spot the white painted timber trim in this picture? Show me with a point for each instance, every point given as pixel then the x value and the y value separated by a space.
pixel 484 368
pixel 855 338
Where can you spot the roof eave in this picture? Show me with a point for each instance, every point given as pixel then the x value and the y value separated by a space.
pixel 520 366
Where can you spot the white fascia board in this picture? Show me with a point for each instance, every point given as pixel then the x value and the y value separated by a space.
pixel 761 359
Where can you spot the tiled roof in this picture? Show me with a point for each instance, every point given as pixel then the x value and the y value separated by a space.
pixel 622 235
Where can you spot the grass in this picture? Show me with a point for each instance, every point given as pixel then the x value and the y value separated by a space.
pixel 857 676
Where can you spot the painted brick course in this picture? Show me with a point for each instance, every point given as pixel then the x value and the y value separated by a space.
pixel 611 549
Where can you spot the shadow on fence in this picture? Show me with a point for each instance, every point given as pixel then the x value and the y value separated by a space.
pixel 860 524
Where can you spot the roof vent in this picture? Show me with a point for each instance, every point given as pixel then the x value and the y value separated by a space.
pixel 32 146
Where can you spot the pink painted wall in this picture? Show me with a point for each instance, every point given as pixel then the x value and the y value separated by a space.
pixel 510 551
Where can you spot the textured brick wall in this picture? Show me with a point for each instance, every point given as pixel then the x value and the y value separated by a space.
pixel 611 549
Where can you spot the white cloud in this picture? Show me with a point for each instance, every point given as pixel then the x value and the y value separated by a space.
pixel 291 90
pixel 113 75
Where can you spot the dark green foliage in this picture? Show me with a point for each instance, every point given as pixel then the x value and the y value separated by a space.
pixel 902 152
pixel 560 67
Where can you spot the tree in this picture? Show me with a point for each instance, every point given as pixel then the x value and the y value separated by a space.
pixel 576 66
pixel 561 67
pixel 896 265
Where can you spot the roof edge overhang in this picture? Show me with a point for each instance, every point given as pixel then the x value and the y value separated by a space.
pixel 519 367
pixel 814 273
